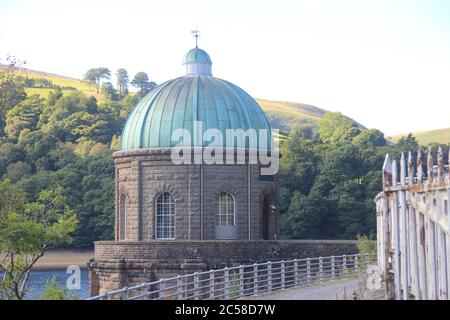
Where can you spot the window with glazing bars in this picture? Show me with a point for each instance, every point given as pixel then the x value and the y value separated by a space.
pixel 165 217
pixel 226 209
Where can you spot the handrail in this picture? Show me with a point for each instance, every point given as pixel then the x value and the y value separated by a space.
pixel 238 282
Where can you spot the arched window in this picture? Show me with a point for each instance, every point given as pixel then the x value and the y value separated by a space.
pixel 226 209
pixel 165 217
pixel 123 218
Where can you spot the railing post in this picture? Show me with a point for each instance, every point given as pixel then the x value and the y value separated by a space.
pixel 241 281
pixel 344 264
pixel 296 278
pixel 367 260
pixel 308 270
pixel 255 278
pixel 333 268
pixel 127 294
pixel 356 263
pixel 162 288
pixel 211 284
pixel 179 288
pixel 227 283
pixel 145 292
pixel 196 286
pixel 320 268
pixel 283 275
pixel 269 277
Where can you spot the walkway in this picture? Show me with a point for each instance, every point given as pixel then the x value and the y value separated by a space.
pixel 332 290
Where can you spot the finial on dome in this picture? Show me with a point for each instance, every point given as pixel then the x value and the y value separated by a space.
pixel 196 34
pixel 197 61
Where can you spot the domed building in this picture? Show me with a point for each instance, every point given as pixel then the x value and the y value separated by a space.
pixel 159 200
pixel 193 188
pixel 192 215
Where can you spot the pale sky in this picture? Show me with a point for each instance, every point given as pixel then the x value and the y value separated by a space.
pixel 385 63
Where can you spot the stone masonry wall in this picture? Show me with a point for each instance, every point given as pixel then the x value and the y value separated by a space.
pixel 121 264
pixel 142 175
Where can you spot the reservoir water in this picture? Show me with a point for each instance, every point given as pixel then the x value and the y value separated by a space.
pixel 38 279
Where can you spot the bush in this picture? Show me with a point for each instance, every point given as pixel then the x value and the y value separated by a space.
pixel 366 245
pixel 53 291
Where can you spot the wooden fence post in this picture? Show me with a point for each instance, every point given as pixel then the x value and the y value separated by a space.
pixel 404 254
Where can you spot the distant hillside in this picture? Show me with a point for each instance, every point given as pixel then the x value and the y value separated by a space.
pixel 282 115
pixel 425 137
pixel 67 83
pixel 285 115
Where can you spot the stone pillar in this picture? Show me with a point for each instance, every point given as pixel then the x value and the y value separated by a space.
pixel 94 283
pixel 134 212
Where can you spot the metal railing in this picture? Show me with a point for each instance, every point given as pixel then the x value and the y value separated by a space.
pixel 246 280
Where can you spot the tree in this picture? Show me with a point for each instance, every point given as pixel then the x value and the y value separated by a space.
pixel 36 146
pixel 95 76
pixel 16 171
pixel 350 210
pixel 122 81
pixel 27 230
pixel 408 143
pixel 142 82
pixel 109 91
pixel 299 162
pixel 11 90
pixel 305 217
pixel 334 127
pixel 9 153
pixel 369 139
pixel 24 115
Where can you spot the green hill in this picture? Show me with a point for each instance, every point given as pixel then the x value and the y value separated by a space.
pixel 282 115
pixel 285 115
pixel 441 136
pixel 66 83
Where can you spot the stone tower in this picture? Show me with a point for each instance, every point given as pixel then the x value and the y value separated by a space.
pixel 193 187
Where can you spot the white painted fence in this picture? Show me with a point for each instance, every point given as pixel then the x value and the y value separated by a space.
pixel 413 228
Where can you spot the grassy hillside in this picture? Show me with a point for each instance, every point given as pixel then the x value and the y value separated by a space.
pixel 441 136
pixel 285 115
pixel 64 82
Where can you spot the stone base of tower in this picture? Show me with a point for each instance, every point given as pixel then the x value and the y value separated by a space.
pixel 126 263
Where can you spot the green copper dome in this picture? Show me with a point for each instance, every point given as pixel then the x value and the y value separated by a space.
pixel 197 55
pixel 184 102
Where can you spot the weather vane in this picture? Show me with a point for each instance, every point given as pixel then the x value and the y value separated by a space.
pixel 195 33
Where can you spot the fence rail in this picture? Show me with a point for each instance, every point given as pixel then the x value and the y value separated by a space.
pixel 413 228
pixel 246 280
